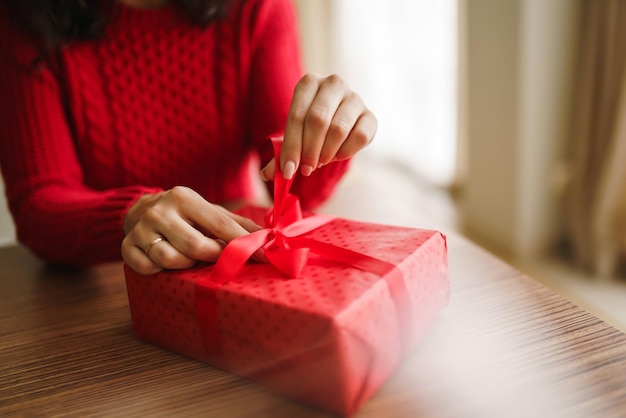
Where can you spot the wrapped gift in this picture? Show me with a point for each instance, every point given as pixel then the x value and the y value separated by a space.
pixel 326 321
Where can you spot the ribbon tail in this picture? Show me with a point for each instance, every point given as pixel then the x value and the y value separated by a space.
pixel 281 184
pixel 343 255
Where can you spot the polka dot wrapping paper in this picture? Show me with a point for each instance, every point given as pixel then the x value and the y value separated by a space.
pixel 329 338
pixel 325 322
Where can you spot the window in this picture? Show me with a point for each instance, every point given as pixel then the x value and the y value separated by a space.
pixel 401 56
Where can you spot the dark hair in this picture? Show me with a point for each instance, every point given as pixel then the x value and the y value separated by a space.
pixel 55 23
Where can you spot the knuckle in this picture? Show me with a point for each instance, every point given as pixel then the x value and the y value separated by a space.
pixel 360 138
pixel 308 80
pixel 297 115
pixel 355 98
pixel 339 128
pixel 152 215
pixel 187 244
pixel 335 80
pixel 180 193
pixel 309 158
pixel 169 259
pixel 221 225
pixel 343 154
pixel 193 247
pixel 205 249
pixel 318 117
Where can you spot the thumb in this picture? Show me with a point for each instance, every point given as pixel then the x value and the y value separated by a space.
pixel 267 173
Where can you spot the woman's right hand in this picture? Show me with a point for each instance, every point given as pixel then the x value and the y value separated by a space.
pixel 176 228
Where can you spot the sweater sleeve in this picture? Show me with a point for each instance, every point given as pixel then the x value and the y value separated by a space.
pixel 56 214
pixel 275 70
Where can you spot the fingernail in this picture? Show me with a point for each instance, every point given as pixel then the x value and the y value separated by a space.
pixel 289 169
pixel 263 176
pixel 306 170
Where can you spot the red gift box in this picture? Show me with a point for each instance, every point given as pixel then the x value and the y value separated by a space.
pixel 363 296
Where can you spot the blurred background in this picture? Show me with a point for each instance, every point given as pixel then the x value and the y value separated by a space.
pixel 501 120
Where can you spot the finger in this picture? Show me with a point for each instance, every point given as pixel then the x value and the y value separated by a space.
pixel 360 136
pixel 173 218
pixel 318 120
pixel 214 222
pixel 247 223
pixel 167 256
pixel 267 173
pixel 303 96
pixel 250 226
pixel 137 260
pixel 344 120
pixel 181 245
pixel 185 245
pixel 198 213
pixel 188 244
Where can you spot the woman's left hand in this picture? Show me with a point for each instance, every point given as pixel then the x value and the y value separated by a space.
pixel 327 122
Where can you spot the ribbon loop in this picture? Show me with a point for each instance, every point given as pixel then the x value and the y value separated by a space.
pixel 282 241
pixel 285 216
pixel 287 250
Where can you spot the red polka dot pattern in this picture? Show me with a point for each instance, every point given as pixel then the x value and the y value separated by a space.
pixel 268 322
pixel 163 310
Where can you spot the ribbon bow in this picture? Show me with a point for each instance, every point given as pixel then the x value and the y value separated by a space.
pixel 288 250
pixel 279 239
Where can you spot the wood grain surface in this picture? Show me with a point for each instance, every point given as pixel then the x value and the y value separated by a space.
pixel 505 347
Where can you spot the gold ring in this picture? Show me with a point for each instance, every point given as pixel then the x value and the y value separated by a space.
pixel 152 244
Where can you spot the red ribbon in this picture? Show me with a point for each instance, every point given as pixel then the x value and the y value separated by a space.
pixel 283 223
pixel 286 249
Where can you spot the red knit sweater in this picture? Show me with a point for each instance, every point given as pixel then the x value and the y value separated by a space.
pixel 157 102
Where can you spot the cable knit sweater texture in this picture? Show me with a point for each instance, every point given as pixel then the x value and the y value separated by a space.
pixel 157 102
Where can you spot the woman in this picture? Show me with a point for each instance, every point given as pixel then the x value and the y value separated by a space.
pixel 132 121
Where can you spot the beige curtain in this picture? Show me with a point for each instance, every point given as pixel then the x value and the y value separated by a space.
pixel 597 199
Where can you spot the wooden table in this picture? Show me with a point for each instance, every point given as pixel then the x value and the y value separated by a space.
pixel 506 346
